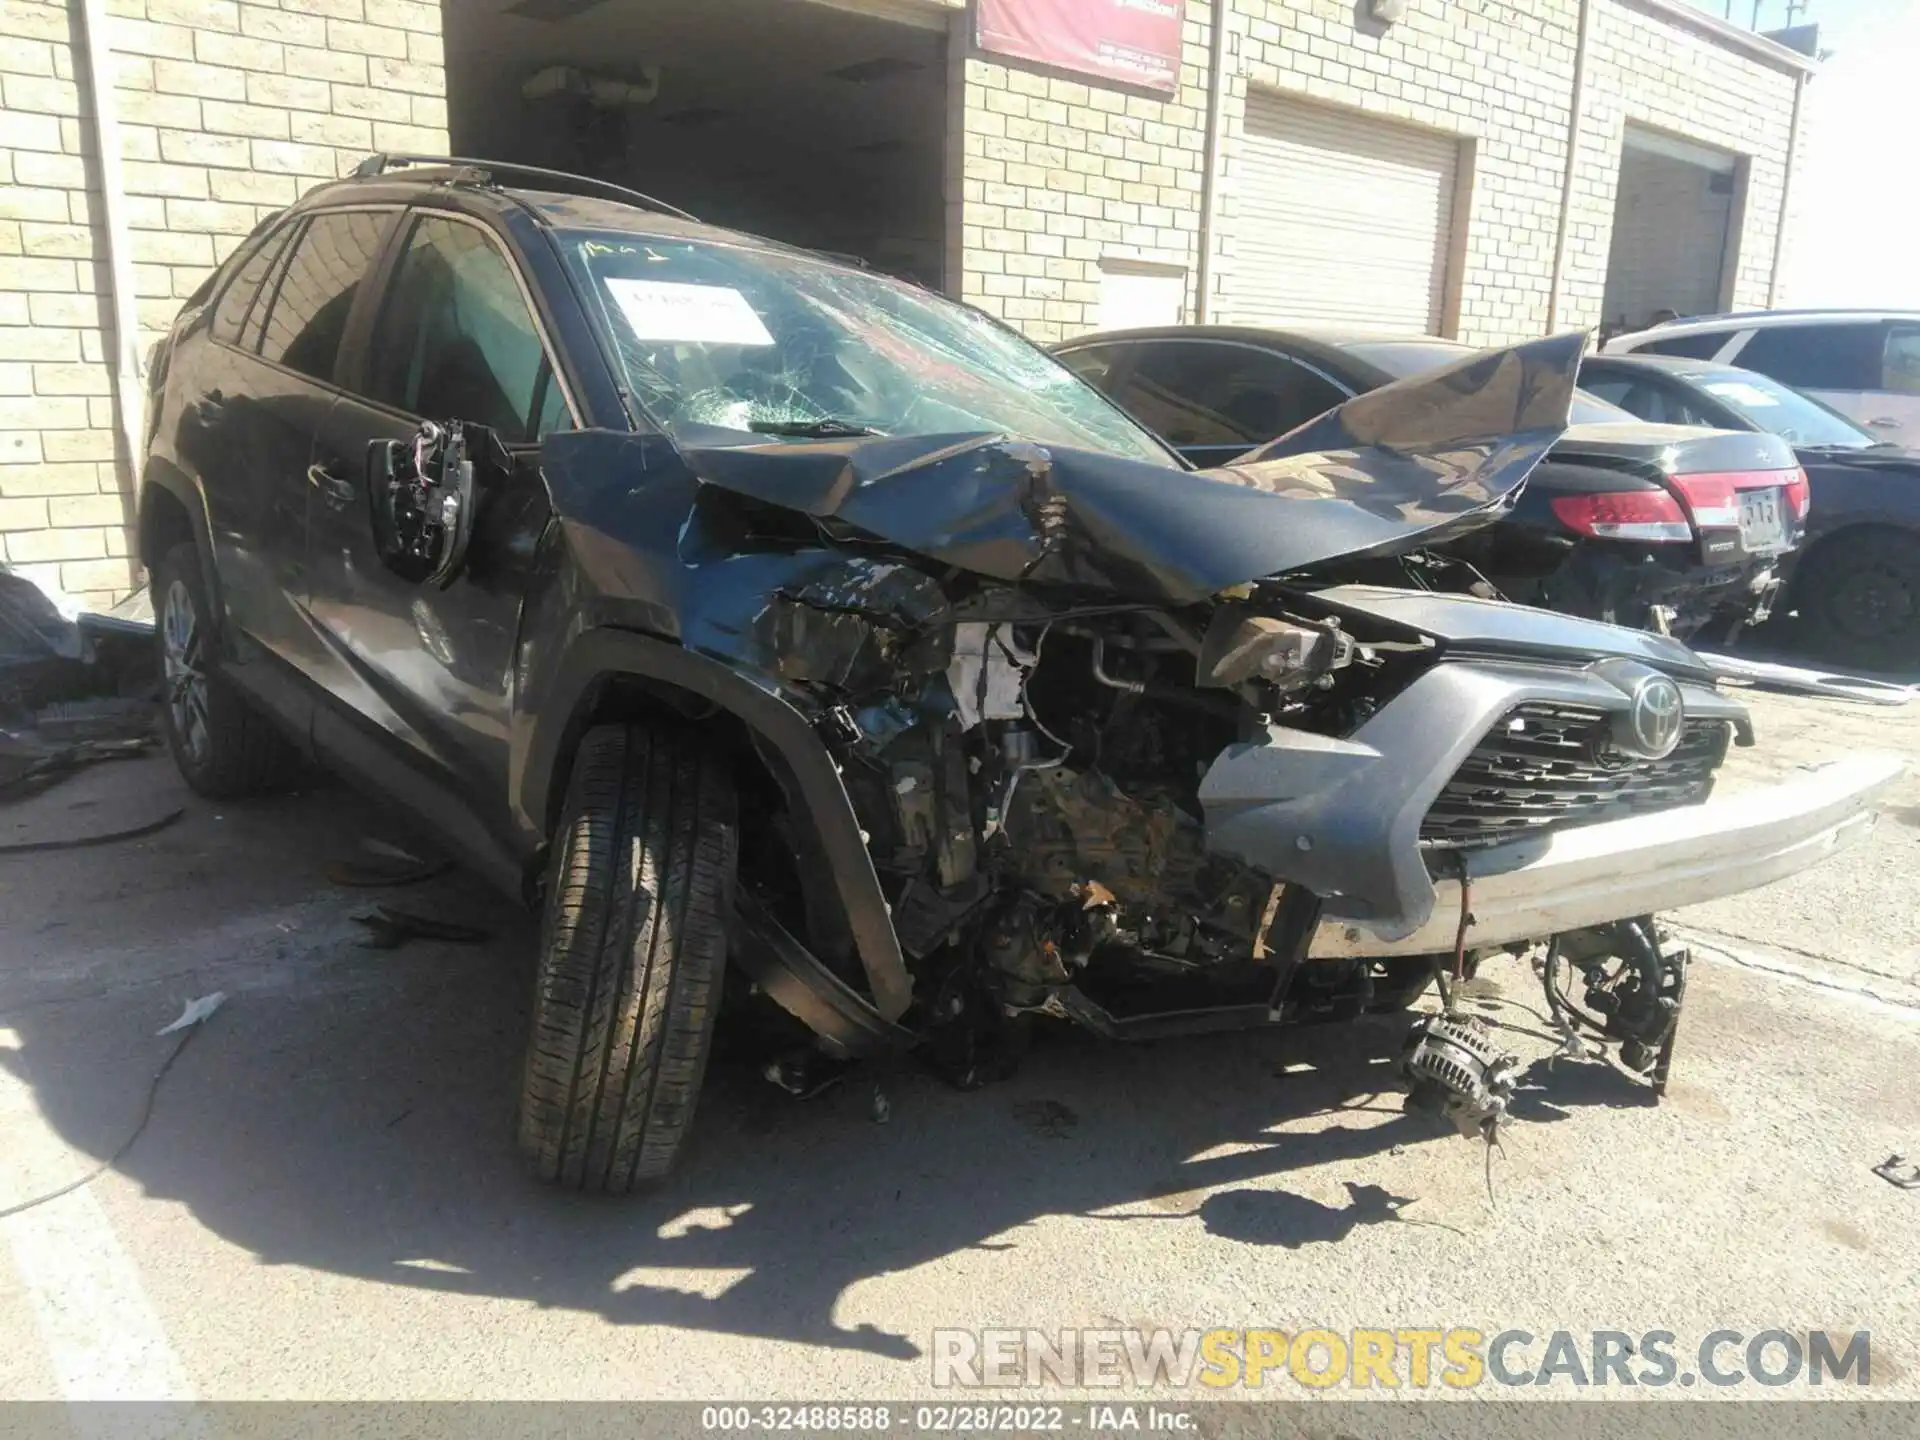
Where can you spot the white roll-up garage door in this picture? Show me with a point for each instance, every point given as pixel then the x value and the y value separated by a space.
pixel 1338 218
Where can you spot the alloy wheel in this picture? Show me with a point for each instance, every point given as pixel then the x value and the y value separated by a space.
pixel 182 655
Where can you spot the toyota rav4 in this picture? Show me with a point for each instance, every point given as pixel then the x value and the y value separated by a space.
pixel 798 638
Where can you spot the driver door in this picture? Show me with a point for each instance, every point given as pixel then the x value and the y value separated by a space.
pixel 420 674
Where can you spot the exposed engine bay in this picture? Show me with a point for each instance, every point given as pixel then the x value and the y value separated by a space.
pixel 1027 782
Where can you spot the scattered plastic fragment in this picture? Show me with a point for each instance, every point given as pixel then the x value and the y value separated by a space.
pixel 1900 1172
pixel 196 1011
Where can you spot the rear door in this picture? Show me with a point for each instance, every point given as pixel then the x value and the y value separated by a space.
pixel 277 331
pixel 421 674
pixel 1895 408
pixel 1840 362
pixel 1213 400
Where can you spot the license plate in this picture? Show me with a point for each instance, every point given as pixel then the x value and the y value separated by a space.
pixel 1760 525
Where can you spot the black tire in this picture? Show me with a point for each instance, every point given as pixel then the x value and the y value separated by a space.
pixel 1858 596
pixel 224 747
pixel 632 951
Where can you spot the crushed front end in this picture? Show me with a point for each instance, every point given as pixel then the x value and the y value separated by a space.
pixel 1158 752
pixel 1293 804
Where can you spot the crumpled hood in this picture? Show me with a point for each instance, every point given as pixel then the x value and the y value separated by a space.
pixel 1411 463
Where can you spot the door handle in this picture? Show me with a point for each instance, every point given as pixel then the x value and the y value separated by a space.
pixel 334 488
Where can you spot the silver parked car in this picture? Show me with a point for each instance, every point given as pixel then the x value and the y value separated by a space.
pixel 1864 363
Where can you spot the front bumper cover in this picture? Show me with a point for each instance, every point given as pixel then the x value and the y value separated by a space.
pixel 1593 874
pixel 1342 816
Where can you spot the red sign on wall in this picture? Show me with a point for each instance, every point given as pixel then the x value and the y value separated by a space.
pixel 1135 42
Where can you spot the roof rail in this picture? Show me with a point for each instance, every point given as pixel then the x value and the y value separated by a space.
pixel 1804 310
pixel 484 171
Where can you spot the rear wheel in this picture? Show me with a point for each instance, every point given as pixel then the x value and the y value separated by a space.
pixel 224 748
pixel 1859 598
pixel 633 947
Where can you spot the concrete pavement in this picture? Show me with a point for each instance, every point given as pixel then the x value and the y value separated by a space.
pixel 327 1202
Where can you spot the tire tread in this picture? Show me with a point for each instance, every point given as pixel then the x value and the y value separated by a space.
pixel 632 955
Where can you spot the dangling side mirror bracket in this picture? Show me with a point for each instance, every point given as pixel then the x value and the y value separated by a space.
pixel 424 498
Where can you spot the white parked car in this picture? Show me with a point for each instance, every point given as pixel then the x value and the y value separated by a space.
pixel 1864 363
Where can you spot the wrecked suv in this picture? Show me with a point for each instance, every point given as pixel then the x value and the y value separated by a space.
pixel 803 641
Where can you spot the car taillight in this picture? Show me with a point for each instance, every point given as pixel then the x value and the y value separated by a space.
pixel 1713 498
pixel 1799 493
pixel 1625 515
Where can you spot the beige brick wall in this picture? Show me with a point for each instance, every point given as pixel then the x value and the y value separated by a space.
pixel 228 111
pixel 1059 175
pixel 1645 69
pixel 1496 75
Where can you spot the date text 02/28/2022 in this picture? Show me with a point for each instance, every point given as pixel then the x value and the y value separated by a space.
pixel 941 1419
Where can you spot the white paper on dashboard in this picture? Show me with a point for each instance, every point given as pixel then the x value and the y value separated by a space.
pixel 687 314
pixel 1740 393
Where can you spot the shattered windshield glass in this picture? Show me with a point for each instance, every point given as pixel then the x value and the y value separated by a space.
pixel 784 344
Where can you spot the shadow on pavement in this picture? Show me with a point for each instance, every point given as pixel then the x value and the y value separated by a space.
pixel 350 1111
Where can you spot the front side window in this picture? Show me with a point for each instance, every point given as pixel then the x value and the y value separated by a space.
pixel 1196 393
pixel 1665 404
pixel 456 341
pixel 746 339
pixel 316 293
pixel 237 299
pixel 1094 364
pixel 1816 357
pixel 1903 360
pixel 1612 389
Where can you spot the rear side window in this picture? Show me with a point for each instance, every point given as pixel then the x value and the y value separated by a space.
pixel 237 299
pixel 316 292
pixel 1816 357
pixel 1195 393
pixel 1903 360
pixel 1693 347
pixel 456 341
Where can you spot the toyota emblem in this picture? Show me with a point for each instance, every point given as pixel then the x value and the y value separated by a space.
pixel 1656 715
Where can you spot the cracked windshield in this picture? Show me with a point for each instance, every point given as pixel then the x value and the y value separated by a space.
pixel 787 345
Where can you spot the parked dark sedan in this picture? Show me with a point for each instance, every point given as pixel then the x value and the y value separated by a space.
pixel 1630 522
pixel 1855 584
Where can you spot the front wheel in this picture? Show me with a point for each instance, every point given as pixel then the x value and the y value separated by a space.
pixel 632 950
